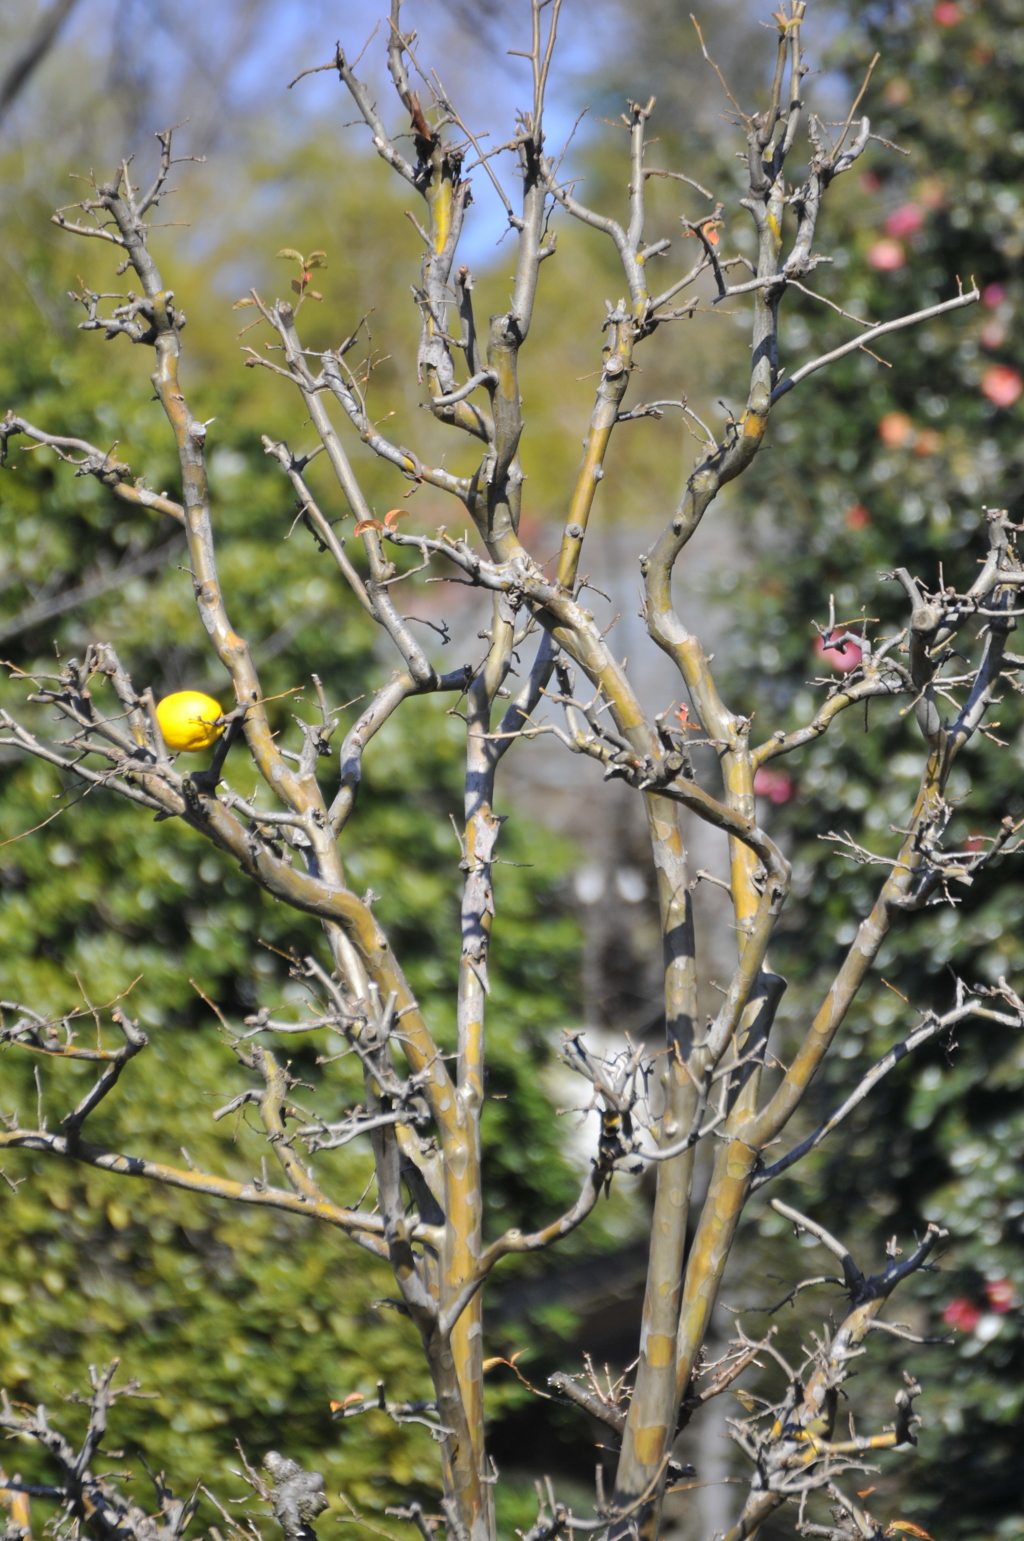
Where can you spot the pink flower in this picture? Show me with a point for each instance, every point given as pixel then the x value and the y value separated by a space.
pixel 947 13
pixel 962 1314
pixel 993 295
pixel 927 442
pixel 931 194
pixel 992 334
pixel 886 256
pixel 895 430
pixel 776 785
pixel 843 656
pixel 905 220
pixel 857 517
pixel 999 1293
pixel 1001 384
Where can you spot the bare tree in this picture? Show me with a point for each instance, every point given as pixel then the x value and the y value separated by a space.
pixel 711 1081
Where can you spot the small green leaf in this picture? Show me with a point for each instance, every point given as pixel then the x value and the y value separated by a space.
pixel 291 254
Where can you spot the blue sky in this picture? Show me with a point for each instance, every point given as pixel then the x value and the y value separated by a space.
pixel 125 67
pixel 217 63
pixel 224 65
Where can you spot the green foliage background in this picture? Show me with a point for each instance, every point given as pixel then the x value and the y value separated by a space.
pixel 240 1320
pixel 942 1139
pixel 234 1316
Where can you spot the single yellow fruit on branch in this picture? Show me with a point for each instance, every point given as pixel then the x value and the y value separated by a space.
pixel 187 721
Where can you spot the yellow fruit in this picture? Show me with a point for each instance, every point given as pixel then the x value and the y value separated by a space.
pixel 187 721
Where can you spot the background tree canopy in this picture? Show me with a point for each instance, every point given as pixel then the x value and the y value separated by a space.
pixel 894 469
pixel 234 1317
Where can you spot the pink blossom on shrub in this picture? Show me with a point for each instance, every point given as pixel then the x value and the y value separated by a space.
pixel 844 657
pixel 962 1314
pixel 1001 384
pixel 905 220
pixel 776 785
pixel 1001 1295
pixel 886 256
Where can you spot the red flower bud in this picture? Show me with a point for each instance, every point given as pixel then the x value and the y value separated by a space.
pixel 962 1314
